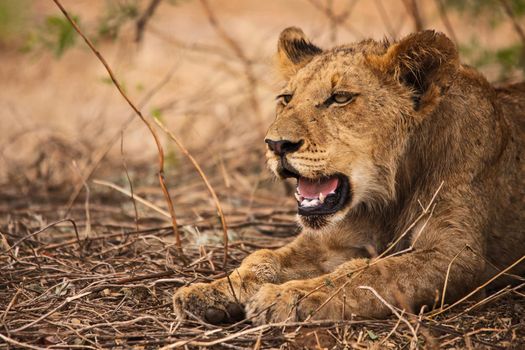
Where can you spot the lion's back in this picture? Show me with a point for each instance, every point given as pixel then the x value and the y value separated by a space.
pixel 512 100
pixel 506 245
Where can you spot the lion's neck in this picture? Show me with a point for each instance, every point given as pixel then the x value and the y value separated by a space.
pixel 459 144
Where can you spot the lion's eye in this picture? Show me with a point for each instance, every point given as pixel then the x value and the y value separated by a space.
pixel 342 97
pixel 284 99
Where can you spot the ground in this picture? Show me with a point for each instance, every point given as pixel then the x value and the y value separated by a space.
pixel 109 285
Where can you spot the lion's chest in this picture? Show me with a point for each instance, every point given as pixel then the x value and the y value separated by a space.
pixel 330 261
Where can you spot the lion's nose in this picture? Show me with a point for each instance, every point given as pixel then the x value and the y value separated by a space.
pixel 283 147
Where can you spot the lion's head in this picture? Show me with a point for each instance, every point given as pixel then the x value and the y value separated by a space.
pixel 346 115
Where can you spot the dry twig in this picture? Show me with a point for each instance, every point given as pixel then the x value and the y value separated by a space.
pixel 413 8
pixel 208 186
pixel 144 18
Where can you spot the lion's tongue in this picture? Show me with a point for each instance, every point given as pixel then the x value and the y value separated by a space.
pixel 312 188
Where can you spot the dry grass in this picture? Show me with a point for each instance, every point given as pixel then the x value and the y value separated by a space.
pixel 114 287
pixel 83 265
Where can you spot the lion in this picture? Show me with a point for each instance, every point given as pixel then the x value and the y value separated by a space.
pixel 410 185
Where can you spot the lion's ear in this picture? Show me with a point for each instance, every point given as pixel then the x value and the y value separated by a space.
pixel 294 51
pixel 425 61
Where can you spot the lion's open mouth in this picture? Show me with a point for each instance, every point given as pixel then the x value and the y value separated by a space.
pixel 322 196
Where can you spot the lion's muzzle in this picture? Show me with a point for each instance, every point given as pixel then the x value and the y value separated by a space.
pixel 282 147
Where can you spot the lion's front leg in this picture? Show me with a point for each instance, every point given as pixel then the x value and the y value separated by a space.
pixel 408 282
pixel 315 298
pixel 222 300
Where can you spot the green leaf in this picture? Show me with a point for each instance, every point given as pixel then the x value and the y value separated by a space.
pixel 156 113
pixel 372 335
pixel 171 159
pixel 115 16
pixel 59 34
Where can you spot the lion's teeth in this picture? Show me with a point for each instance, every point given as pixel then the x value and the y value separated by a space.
pixel 310 203
pixel 321 197
pixel 298 197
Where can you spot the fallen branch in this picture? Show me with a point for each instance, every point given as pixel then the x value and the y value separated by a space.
pixel 64 303
pixel 19 344
pixel 134 196
pixel 17 243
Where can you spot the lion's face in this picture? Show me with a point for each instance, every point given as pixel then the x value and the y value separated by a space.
pixel 341 127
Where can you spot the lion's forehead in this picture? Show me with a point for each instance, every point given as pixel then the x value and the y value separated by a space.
pixel 344 69
pixel 331 63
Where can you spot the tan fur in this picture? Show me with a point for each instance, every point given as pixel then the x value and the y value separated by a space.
pixel 420 119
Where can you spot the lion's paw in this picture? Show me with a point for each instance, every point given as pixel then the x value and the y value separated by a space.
pixel 281 303
pixel 207 301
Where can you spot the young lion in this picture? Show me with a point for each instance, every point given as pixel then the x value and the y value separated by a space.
pixel 409 179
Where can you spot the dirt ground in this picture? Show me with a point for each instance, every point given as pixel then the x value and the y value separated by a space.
pixel 83 265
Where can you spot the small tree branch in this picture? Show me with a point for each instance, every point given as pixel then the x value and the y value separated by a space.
pixel 125 166
pixel 336 19
pixel 102 151
pixel 208 186
pixel 141 116
pixel 394 311
pixel 413 9
pixel 517 27
pixel 386 20
pixel 446 21
pixel 251 79
pixel 143 20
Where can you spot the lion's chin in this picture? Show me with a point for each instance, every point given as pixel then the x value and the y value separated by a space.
pixel 320 222
pixel 314 222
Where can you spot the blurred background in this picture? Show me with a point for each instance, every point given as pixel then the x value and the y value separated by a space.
pixel 204 68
